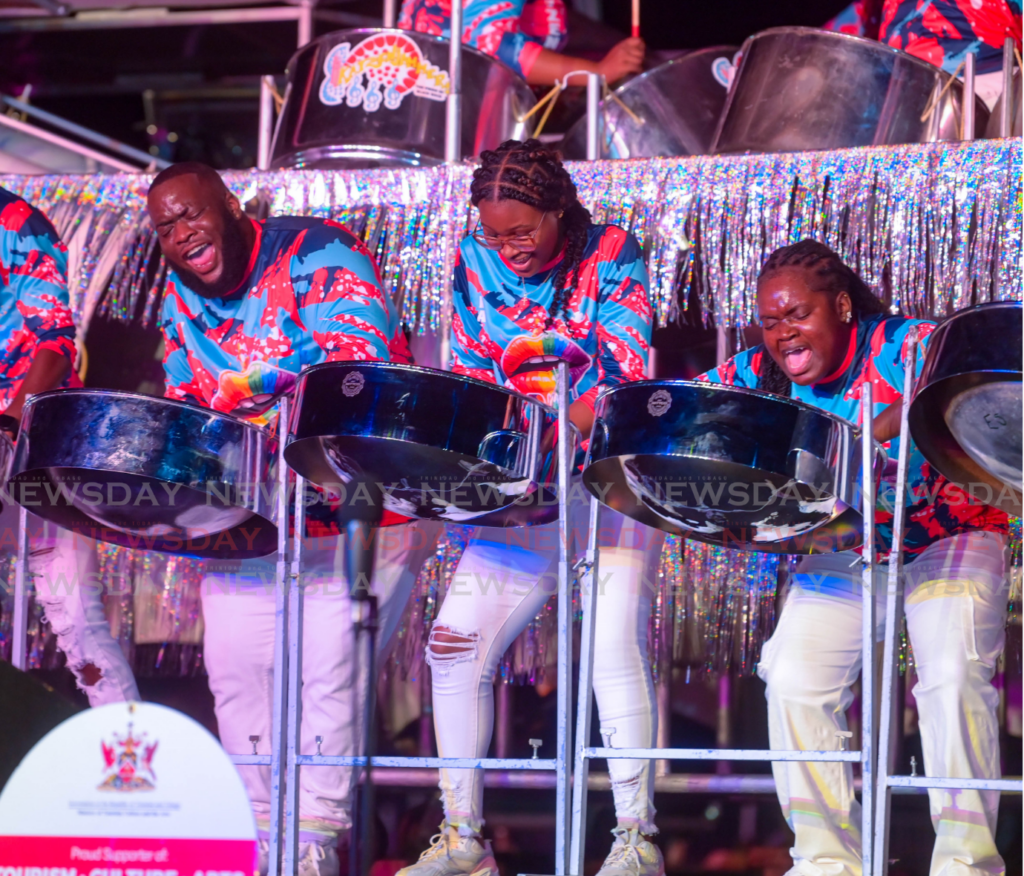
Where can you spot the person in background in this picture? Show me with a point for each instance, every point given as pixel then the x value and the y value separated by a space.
pixel 248 306
pixel 825 336
pixel 37 353
pixel 527 36
pixel 539 282
pixel 941 32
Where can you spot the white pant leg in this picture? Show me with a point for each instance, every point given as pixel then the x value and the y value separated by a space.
pixel 623 687
pixel 239 607
pixel 70 591
pixel 809 666
pixel 956 618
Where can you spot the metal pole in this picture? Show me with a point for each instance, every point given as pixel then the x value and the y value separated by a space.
pixel 1006 107
pixel 867 672
pixel 266 131
pixel 593 116
pixel 19 633
pixel 295 605
pixel 277 727
pixel 453 108
pixel 564 736
pixel 588 589
pixel 967 115
pixel 389 13
pixel 893 612
pixel 305 22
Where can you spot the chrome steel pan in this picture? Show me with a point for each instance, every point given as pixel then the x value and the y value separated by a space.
pixel 376 98
pixel 670 110
pixel 146 473
pixel 442 446
pixel 728 466
pixel 966 412
pixel 798 88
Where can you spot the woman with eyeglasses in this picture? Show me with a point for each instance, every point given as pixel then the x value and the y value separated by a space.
pixel 537 282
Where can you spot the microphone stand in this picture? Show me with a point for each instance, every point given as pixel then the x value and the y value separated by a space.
pixel 358 520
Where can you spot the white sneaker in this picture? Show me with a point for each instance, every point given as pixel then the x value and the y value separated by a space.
pixel 316 859
pixel 464 856
pixel 632 855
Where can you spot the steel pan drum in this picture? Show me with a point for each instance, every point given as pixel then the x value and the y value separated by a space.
pixel 966 413
pixel 443 446
pixel 798 88
pixel 676 105
pixel 146 473
pixel 376 98
pixel 728 466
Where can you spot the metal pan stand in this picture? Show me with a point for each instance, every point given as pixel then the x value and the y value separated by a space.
pixel 888 784
pixel 865 756
pixel 287 717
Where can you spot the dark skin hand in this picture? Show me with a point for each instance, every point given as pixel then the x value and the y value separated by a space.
pixel 507 218
pixel 192 216
pixel 47 371
pixel 806 333
pixel 624 58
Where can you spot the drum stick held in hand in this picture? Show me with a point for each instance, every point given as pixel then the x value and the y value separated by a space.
pixel 636 18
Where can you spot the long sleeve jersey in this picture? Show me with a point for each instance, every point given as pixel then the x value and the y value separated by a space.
pixel 35 313
pixel 513 31
pixel 936 508
pixel 499 333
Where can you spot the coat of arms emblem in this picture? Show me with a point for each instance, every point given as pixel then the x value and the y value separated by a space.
pixel 128 763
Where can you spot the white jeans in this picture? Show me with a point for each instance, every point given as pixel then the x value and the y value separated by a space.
pixel 956 600
pixel 239 611
pixel 67 585
pixel 502 581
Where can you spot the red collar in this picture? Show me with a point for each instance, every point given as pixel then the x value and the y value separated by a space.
pixel 542 268
pixel 847 359
pixel 253 256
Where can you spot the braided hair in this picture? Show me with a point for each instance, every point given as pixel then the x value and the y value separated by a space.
pixel 829 273
pixel 532 174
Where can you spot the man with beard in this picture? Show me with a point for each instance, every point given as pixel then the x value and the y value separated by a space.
pixel 37 349
pixel 248 306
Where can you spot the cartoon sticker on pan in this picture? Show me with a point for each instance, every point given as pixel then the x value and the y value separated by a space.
pixel 529 363
pixel 393 66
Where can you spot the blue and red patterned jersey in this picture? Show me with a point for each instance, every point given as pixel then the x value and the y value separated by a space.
pixel 513 31
pixel 935 508
pixel 312 294
pixel 35 313
pixel 498 330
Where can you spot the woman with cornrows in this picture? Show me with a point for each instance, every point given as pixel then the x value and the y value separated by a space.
pixel 825 336
pixel 537 282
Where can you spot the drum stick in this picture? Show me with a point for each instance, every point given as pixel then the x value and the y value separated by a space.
pixel 636 18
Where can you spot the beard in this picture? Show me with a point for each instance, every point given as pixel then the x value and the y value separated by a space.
pixel 235 254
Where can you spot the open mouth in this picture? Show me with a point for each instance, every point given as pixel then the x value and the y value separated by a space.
pixel 520 259
pixel 797 360
pixel 201 258
pixel 536 363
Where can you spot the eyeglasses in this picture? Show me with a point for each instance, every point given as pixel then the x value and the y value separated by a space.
pixel 522 242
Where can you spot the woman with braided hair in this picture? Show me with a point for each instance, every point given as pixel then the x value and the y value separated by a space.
pixel 538 282
pixel 825 336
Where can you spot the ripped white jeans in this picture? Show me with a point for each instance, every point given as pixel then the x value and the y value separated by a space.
pixel 68 587
pixel 956 600
pixel 502 581
pixel 239 611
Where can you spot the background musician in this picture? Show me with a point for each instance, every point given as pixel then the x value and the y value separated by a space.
pixel 37 351
pixel 527 36
pixel 538 282
pixel 248 306
pixel 825 335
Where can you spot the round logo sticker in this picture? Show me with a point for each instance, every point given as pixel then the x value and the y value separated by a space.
pixel 352 384
pixel 659 402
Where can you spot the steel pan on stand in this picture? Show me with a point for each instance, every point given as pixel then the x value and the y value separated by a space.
pixel 966 412
pixel 799 88
pixel 729 466
pixel 376 98
pixel 147 473
pixel 443 446
pixel 670 110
